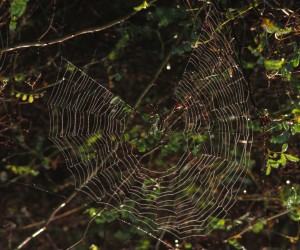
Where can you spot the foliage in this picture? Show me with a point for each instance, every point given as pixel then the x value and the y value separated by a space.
pixel 126 57
pixel 17 9
pixel 144 5
pixel 275 159
pixel 291 198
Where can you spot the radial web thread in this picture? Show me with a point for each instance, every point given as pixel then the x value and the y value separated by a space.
pixel 88 124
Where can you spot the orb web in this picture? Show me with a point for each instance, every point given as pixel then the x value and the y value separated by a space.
pixel 88 124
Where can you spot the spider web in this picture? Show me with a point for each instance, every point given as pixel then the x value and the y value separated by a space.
pixel 88 124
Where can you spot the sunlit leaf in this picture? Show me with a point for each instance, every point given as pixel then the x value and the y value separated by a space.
pixel 283 31
pixel 144 5
pixel 258 227
pixel 282 160
pixel 273 64
pixel 31 99
pixel 296 111
pixel 291 197
pixel 295 129
pixel 269 25
pixel 94 247
pixel 237 245
pixel 21 170
pixel 284 147
pixel 268 171
pixel 292 158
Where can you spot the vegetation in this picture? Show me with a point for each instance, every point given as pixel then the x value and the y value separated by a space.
pixel 138 50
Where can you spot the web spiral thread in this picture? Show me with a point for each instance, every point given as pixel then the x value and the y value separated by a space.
pixel 87 123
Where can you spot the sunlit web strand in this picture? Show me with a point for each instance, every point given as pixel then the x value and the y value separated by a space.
pixel 88 123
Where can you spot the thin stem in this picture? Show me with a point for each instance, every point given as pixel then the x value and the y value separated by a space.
pixel 157 73
pixel 249 228
pixel 58 217
pixel 71 36
pixel 50 219
pixel 152 82
pixel 51 21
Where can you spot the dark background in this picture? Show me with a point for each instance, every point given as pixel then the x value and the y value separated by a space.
pixel 125 58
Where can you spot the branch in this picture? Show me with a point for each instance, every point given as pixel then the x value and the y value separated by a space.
pixel 249 228
pixel 47 222
pixel 58 217
pixel 157 73
pixel 51 21
pixel 71 36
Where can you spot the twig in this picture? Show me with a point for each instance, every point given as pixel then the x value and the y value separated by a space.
pixel 249 228
pixel 160 238
pixel 257 198
pixel 71 36
pixel 60 216
pixel 157 73
pixel 50 219
pixel 152 82
pixel 51 21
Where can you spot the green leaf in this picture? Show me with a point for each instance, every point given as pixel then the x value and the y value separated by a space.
pixel 290 196
pixel 268 171
pixel 31 99
pixel 296 111
pixel 24 97
pixel 142 147
pixel 271 164
pixel 275 165
pixel 285 125
pixel 269 25
pixel 280 139
pixel 144 245
pixel 295 129
pixel 292 158
pixel 115 100
pixel 70 67
pixel 120 45
pixel 17 9
pixel 284 147
pixel 22 170
pixel 237 245
pixel 188 246
pixel 248 65
pixel 282 160
pixel 19 77
pixel 296 59
pixel 230 13
pixel 258 227
pixel 94 247
pixel 144 5
pixel 121 235
pixel 273 64
pixel 93 138
pixel 283 31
